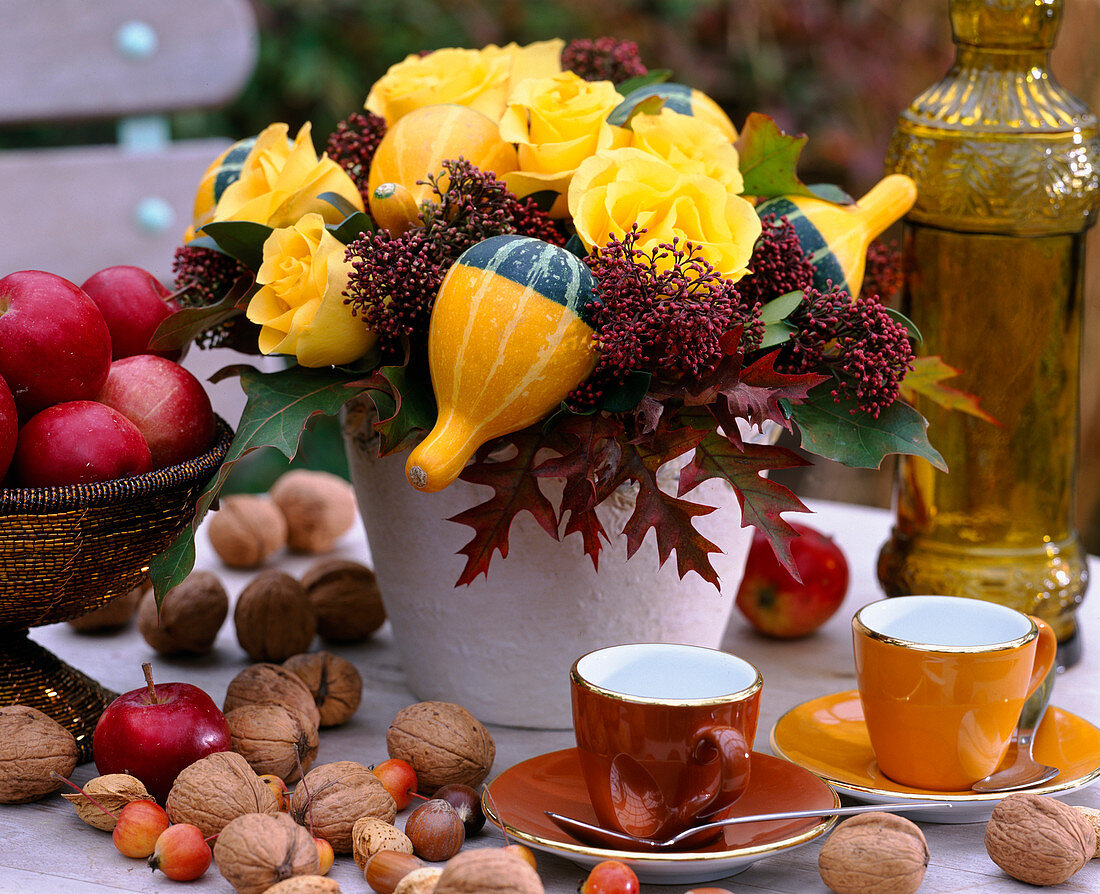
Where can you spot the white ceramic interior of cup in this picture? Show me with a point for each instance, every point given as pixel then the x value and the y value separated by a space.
pixel 945 621
pixel 666 671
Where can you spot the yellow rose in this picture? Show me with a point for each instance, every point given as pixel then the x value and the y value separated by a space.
pixel 540 59
pixel 691 145
pixel 300 305
pixel 557 123
pixel 280 182
pixel 620 187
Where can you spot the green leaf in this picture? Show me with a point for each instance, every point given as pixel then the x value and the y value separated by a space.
pixel 240 239
pixel 182 327
pixel 777 334
pixel 624 112
pixel 340 203
pixel 898 317
pixel 656 76
pixel 574 245
pixel 782 307
pixel 625 396
pixel 544 199
pixel 856 439
pixel 279 406
pixel 405 403
pixel 352 227
pixel 769 159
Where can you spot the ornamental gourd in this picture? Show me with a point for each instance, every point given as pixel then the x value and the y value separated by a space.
pixel 836 237
pixel 418 143
pixel 222 171
pixel 508 340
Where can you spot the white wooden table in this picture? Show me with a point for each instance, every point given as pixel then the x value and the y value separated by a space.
pixel 47 849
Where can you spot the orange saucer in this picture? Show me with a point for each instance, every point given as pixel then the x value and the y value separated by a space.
pixel 828 736
pixel 519 796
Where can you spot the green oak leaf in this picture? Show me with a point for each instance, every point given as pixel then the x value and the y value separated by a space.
pixel 856 439
pixel 769 159
pixel 240 239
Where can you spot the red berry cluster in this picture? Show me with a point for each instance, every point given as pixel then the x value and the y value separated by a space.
pixel 603 59
pixel 203 277
pixel 353 144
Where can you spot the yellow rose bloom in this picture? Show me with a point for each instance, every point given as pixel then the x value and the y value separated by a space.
pixel 541 59
pixel 280 182
pixel 620 187
pixel 691 145
pixel 557 123
pixel 300 305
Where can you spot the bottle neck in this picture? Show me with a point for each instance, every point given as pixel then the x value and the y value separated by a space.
pixel 1006 24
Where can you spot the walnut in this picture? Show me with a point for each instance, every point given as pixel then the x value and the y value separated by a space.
pixel 419 881
pixel 273 739
pixel 246 530
pixel 333 796
pixel 113 792
pixel 32 747
pixel 874 852
pixel 319 508
pixel 112 616
pixel 1039 840
pixel 189 617
pixel 274 617
pixel 488 870
pixel 1093 816
pixel 444 743
pixel 346 599
pixel 271 684
pixel 256 851
pixel 335 683
pixel 306 884
pixel 217 789
pixel 369 835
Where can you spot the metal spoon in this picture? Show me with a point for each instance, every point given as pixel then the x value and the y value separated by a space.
pixel 698 835
pixel 1025 771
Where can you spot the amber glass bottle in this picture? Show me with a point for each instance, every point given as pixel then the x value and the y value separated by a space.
pixel 1007 166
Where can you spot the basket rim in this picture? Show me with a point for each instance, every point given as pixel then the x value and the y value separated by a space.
pixel 76 496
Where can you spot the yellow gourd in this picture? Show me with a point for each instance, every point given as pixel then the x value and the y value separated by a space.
pixel 507 342
pixel 836 237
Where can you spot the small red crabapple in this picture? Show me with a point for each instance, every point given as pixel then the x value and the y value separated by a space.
pixel 181 852
pixel 140 824
pixel 278 786
pixel 325 855
pixel 610 877
pixel 398 778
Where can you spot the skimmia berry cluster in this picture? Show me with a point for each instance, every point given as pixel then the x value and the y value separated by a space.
pixel 353 144
pixel 203 276
pixel 603 59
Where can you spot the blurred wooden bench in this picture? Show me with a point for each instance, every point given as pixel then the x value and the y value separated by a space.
pixel 72 210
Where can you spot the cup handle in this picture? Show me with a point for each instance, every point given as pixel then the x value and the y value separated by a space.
pixel 1046 653
pixel 727 745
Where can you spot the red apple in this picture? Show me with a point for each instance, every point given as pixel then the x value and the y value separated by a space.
pixel 167 404
pixel 54 342
pixel 778 605
pixel 79 442
pixel 398 778
pixel 9 428
pixel 133 303
pixel 156 731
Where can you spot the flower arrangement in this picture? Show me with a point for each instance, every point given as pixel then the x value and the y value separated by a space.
pixel 634 276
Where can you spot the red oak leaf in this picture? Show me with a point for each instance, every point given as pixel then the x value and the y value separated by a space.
pixel 515 490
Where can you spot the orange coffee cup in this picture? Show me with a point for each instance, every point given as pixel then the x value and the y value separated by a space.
pixel 664 733
pixel 942 680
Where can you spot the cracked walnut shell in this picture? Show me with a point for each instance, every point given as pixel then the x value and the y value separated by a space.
pixel 112 792
pixel 444 742
pixel 32 747
pixel 333 796
pixel 256 851
pixel 189 617
pixel 874 853
pixel 488 870
pixel 336 685
pixel 1039 840
pixel 346 599
pixel 273 739
pixel 265 683
pixel 215 790
pixel 274 617
pixel 246 530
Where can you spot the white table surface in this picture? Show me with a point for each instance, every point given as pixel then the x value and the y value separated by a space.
pixel 47 849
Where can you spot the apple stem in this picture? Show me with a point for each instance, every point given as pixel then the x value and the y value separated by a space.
pixel 305 788
pixel 417 795
pixel 55 775
pixel 147 669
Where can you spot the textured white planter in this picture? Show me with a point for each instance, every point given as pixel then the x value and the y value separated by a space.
pixel 503 646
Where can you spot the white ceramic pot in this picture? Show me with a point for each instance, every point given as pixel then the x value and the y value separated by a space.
pixel 502 647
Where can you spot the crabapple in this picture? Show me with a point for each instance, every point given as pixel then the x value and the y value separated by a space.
pixel 610 877
pixel 140 824
pixel 181 852
pixel 398 778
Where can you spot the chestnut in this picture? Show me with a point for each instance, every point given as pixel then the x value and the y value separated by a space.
pixel 435 830
pixel 467 804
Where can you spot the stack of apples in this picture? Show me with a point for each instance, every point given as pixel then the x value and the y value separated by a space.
pixel 82 398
